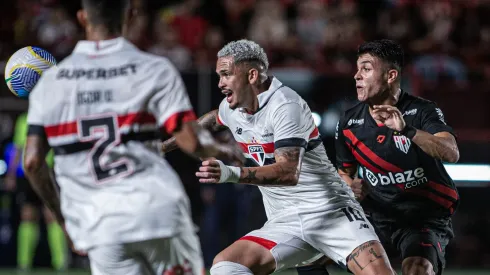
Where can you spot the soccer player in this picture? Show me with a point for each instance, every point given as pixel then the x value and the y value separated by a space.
pixel 310 210
pixel 28 232
pixel 120 201
pixel 399 141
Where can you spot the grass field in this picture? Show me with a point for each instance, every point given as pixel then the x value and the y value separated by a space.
pixel 48 272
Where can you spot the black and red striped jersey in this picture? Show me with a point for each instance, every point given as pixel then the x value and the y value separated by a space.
pixel 404 180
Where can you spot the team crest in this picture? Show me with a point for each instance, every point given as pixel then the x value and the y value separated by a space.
pixel 257 153
pixel 402 143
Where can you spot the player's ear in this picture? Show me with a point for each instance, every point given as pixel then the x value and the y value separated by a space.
pixel 253 76
pixel 82 18
pixel 392 76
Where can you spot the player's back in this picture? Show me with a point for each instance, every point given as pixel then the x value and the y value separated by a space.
pixel 109 101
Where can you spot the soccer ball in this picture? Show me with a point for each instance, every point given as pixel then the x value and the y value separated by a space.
pixel 24 68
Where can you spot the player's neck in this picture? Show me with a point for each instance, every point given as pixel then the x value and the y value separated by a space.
pixel 391 98
pixel 98 33
pixel 254 105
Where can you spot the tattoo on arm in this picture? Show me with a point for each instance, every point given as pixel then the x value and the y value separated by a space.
pixel 285 172
pixel 360 258
pixel 207 121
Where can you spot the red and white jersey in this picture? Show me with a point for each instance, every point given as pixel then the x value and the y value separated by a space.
pixel 284 120
pixel 99 108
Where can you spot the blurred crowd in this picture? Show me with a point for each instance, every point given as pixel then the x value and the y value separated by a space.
pixel 447 38
pixel 447 45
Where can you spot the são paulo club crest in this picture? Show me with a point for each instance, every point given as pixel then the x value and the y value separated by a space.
pixel 256 151
pixel 402 143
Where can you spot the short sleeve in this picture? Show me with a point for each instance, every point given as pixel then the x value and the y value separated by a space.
pixel 432 120
pixel 222 113
pixel 35 113
pixel 292 126
pixel 343 155
pixel 170 102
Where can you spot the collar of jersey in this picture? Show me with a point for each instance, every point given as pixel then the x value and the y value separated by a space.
pixel 266 95
pixel 102 46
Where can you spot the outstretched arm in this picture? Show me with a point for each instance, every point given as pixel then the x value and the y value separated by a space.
pixel 285 172
pixel 208 121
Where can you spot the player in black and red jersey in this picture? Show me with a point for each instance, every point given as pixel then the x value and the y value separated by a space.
pixel 396 144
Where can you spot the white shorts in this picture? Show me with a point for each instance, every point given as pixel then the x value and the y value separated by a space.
pixel 175 255
pixel 298 238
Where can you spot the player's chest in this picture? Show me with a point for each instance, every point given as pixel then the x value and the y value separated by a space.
pixel 252 129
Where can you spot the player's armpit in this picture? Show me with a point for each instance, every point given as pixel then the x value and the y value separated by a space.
pixel 39 176
pixel 441 145
pixel 285 172
pixel 208 121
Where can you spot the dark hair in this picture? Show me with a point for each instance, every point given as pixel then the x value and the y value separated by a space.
pixel 108 13
pixel 385 49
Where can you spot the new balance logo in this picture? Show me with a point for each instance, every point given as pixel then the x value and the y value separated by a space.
pixel 363 225
pixel 238 131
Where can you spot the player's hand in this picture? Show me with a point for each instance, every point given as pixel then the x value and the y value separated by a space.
pixel 389 116
pixel 359 188
pixel 209 172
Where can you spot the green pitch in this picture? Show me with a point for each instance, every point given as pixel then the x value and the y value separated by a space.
pixel 48 272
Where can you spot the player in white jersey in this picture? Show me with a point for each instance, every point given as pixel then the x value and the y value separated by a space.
pixel 120 201
pixel 310 210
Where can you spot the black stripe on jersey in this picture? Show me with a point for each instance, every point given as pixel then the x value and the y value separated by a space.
pixel 76 147
pixel 37 130
pixel 290 142
pixel 369 160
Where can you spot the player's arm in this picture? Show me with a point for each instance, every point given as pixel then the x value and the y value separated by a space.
pixel 435 138
pixel 208 121
pixel 347 164
pixel 291 132
pixel 38 172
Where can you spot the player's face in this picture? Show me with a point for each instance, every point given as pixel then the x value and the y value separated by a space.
pixel 371 77
pixel 233 82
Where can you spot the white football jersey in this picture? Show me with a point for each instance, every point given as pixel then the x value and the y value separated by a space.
pixel 99 108
pixel 283 120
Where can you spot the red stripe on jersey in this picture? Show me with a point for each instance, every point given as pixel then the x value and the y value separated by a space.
pixel 69 128
pixel 370 154
pixel 219 120
pixel 176 120
pixel 364 162
pixel 314 133
pixel 443 189
pixel 347 164
pixel 268 147
pixel 439 200
pixel 263 242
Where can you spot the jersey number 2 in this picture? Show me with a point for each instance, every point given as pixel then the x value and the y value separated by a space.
pixel 105 133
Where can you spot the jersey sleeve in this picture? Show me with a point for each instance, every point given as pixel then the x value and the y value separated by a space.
pixel 35 113
pixel 344 156
pixel 292 126
pixel 222 113
pixel 170 102
pixel 433 120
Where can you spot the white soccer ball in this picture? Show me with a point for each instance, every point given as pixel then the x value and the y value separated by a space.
pixel 25 67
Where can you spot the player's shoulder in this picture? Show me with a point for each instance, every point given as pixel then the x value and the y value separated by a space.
pixel 415 104
pixel 283 95
pixel 356 111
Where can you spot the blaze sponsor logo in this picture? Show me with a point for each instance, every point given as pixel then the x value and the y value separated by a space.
pixel 410 112
pixel 257 153
pixel 409 178
pixel 402 143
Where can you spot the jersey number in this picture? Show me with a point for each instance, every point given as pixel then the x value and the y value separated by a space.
pixel 105 133
pixel 353 214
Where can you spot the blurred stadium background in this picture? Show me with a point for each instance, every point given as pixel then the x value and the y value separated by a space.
pixel 312 48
